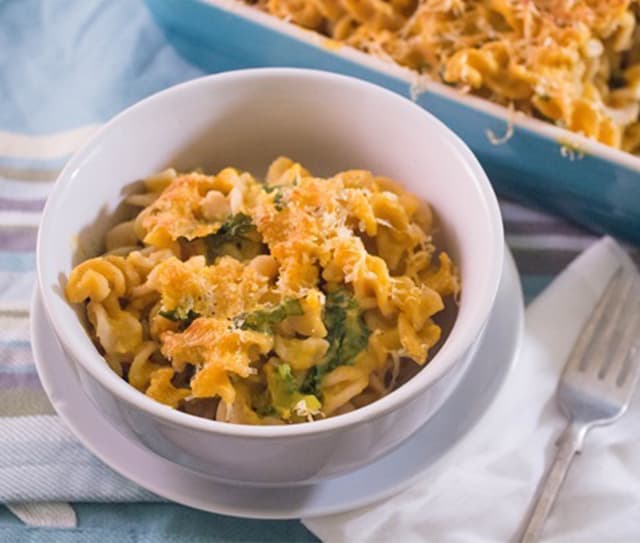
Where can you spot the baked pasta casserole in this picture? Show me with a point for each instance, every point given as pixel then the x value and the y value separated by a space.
pixel 575 63
pixel 268 302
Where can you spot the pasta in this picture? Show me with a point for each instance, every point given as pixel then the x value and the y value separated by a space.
pixel 575 63
pixel 269 302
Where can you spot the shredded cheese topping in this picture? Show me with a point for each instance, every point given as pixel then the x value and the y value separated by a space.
pixel 575 63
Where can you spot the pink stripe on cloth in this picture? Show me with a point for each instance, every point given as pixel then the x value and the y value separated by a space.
pixel 18 239
pixel 27 380
pixel 11 204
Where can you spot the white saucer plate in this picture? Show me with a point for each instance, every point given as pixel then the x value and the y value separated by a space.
pixel 385 477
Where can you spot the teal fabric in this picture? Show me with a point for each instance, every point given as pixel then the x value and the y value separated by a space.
pixel 68 63
pixel 152 523
pixel 532 285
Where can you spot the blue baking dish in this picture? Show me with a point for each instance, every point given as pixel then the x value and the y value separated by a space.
pixel 539 164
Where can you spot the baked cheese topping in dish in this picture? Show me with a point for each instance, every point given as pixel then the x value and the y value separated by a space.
pixel 575 63
pixel 268 302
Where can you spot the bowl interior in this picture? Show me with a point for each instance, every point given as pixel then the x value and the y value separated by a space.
pixel 246 119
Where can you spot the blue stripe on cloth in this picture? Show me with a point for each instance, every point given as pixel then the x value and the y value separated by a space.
pixel 15 344
pixel 18 369
pixel 15 355
pixel 162 522
pixel 13 261
pixel 29 163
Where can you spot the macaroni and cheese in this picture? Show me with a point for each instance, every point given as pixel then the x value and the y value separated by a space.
pixel 267 302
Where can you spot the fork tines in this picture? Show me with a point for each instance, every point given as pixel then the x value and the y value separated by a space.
pixel 609 343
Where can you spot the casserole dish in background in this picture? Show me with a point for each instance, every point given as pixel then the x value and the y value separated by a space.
pixel 540 164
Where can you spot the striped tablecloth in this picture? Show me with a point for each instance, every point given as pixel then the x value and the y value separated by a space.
pixel 65 68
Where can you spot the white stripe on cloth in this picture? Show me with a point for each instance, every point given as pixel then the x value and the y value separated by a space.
pixel 47 514
pixel 24 190
pixel 549 242
pixel 43 147
pixel 14 308
pixel 513 212
pixel 15 291
pixel 12 219
pixel 15 328
pixel 38 452
pixel 33 174
pixel 21 190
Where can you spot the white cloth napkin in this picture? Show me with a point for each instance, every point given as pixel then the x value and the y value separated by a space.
pixel 484 490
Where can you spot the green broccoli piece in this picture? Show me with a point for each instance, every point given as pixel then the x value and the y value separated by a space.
pixel 176 315
pixel 265 320
pixel 277 201
pixel 347 335
pixel 277 197
pixel 237 237
pixel 287 401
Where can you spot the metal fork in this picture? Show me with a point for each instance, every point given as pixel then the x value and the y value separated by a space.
pixel 597 382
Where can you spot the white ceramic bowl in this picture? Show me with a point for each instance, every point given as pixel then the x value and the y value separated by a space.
pixel 247 118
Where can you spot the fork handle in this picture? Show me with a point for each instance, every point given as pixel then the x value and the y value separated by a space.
pixel 568 445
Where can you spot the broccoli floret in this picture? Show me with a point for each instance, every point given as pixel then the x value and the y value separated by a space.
pixel 277 196
pixel 287 401
pixel 237 237
pixel 347 335
pixel 176 315
pixel 265 320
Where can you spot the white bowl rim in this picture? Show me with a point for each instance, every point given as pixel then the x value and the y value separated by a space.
pixel 94 364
